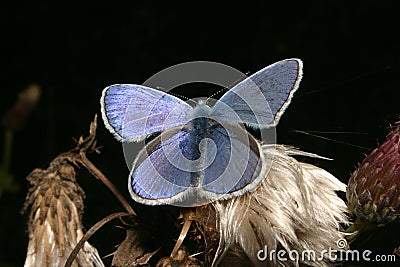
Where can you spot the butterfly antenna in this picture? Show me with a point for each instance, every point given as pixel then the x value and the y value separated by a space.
pixel 332 140
pixel 230 86
pixel 216 93
pixel 177 95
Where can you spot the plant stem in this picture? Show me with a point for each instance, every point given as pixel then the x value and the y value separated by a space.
pixel 99 175
pixel 89 233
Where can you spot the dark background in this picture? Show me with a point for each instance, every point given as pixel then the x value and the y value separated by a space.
pixel 350 87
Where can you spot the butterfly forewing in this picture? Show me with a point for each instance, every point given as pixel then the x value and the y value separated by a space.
pixel 132 112
pixel 261 99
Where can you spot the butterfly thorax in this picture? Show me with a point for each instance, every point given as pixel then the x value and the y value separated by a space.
pixel 198 120
pixel 200 110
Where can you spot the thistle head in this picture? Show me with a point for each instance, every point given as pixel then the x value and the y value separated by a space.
pixel 373 192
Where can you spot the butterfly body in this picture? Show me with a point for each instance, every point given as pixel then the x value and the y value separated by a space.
pixel 203 153
pixel 198 119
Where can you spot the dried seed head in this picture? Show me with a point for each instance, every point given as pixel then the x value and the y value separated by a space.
pixel 55 227
pixel 295 208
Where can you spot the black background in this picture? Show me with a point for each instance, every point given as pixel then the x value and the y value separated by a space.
pixel 72 50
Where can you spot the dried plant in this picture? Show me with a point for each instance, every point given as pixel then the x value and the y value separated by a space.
pixel 294 208
pixel 14 119
pixel 55 203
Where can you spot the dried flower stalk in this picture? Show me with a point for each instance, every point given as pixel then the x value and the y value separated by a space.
pixel 55 203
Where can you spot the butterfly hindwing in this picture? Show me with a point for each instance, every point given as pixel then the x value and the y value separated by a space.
pixel 154 176
pixel 238 162
pixel 174 168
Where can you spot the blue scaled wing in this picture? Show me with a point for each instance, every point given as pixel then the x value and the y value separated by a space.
pixel 239 163
pixel 261 99
pixel 177 168
pixel 132 112
pixel 162 169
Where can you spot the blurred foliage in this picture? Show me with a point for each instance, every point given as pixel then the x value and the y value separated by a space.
pixel 14 120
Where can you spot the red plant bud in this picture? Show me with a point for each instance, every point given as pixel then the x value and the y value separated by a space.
pixel 373 192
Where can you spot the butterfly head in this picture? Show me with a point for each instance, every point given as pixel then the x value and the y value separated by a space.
pixel 200 110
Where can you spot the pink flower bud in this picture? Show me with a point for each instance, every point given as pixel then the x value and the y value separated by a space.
pixel 373 191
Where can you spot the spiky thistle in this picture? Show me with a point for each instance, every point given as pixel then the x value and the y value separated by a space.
pixel 373 191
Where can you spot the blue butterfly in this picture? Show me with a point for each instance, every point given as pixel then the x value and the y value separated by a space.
pixel 201 153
